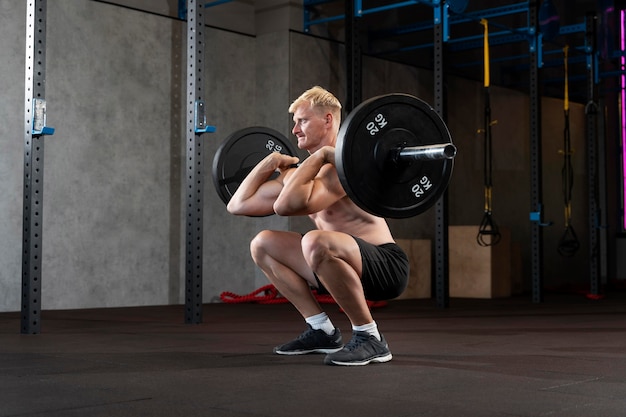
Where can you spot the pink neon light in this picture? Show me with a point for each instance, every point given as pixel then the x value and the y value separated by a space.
pixel 623 76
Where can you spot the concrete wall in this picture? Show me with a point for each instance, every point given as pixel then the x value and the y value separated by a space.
pixel 113 206
pixel 12 42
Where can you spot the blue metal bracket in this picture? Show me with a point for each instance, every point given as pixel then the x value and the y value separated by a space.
pixel 442 16
pixel 446 21
pixel 536 216
pixel 182 9
pixel 592 60
pixel 539 42
pixel 39 118
pixel 200 118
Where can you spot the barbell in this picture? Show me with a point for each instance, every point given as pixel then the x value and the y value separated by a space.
pixel 394 156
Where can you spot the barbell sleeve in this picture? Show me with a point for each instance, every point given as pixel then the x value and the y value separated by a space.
pixel 425 152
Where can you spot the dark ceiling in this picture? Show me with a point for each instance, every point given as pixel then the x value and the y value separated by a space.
pixel 402 31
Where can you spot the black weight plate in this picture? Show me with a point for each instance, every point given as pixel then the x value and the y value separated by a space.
pixel 369 176
pixel 242 151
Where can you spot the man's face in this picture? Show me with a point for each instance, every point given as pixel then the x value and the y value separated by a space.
pixel 310 128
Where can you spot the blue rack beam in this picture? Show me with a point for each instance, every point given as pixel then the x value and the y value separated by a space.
pixel 359 11
pixel 457 19
pixel 506 36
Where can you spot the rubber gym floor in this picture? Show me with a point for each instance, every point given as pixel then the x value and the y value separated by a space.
pixel 565 357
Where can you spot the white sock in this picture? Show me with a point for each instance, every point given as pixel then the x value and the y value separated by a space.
pixel 321 321
pixel 370 328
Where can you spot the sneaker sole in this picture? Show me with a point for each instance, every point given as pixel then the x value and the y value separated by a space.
pixel 378 359
pixel 306 352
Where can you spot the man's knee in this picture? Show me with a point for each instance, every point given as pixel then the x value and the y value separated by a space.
pixel 316 248
pixel 260 244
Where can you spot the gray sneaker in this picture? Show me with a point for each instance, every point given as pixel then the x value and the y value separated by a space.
pixel 312 341
pixel 362 349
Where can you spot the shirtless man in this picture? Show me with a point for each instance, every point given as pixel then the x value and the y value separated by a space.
pixel 351 254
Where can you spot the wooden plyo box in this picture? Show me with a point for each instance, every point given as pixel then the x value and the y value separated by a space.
pixel 478 271
pixel 419 253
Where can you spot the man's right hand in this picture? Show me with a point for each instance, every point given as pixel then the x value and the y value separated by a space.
pixel 283 162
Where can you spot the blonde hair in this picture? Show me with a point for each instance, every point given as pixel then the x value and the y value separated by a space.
pixel 319 99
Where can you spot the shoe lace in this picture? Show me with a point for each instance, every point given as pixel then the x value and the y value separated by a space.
pixel 305 334
pixel 357 340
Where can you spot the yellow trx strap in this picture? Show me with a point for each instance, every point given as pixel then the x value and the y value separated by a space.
pixel 486 50
pixel 568 244
pixel 488 231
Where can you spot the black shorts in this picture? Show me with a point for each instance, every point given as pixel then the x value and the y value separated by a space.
pixel 385 271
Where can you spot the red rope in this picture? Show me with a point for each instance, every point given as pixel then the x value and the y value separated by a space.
pixel 268 294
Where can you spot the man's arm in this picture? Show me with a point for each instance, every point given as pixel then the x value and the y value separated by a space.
pixel 312 187
pixel 256 194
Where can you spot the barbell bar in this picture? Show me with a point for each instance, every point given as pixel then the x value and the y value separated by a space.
pixel 394 156
pixel 424 153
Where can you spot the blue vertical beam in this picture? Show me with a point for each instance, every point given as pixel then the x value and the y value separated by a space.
pixel 442 278
pixel 35 130
pixel 194 168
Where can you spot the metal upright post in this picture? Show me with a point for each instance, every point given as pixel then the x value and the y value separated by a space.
pixel 196 125
pixel 591 111
pixel 536 189
pixel 353 57
pixel 35 130
pixel 442 272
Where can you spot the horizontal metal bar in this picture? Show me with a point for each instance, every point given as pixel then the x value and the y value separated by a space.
pixel 464 44
pixel 552 63
pixel 426 152
pixel 492 60
pixel 570 58
pixel 470 42
pixel 494 37
pixel 455 19
pixel 578 28
pixel 490 13
pixel 216 3
pixel 324 20
pixel 308 3
pixel 611 74
pixel 405 49
pixel 560 80
pixel 555 63
pixel 361 11
pixel 394 6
